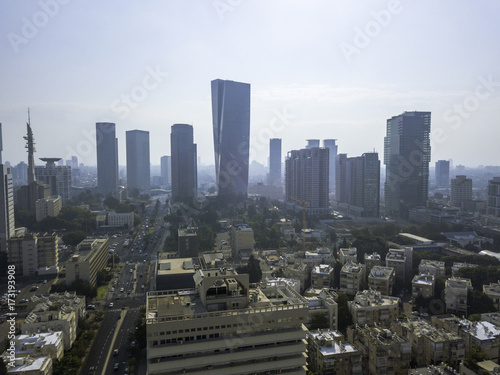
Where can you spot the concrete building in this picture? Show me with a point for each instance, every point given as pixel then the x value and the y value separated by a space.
pixel 187 243
pixel 307 179
pixel 352 276
pixel 461 191
pixel 430 345
pixel 371 260
pixel 322 301
pixel 40 344
pixel 184 162
pixel 431 267
pixel 120 220
pixel 242 241
pixel 384 352
pixel 457 266
pixel 442 171
pixel 401 260
pixel 333 149
pixel 50 206
pixel 493 205
pixel 231 129
pixel 493 291
pixel 30 252
pixel 423 285
pixel 138 161
pixel 175 273
pixel 32 366
pixel 274 177
pixel 212 328
pixel 350 254
pixel 301 272
pixel 319 256
pixel 329 353
pixel 91 256
pixel 107 157
pixel 322 276
pixel 407 136
pixel 370 307
pixel 382 279
pixel 462 239
pixel 455 294
pixel 7 220
pixel 58 178
pixel 166 170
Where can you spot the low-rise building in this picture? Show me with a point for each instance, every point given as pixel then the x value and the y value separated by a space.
pixel 370 307
pixel 187 242
pixel 299 271
pixel 40 344
pixel 372 260
pixel 457 266
pixel 329 353
pixel 321 255
pixel 31 252
pixel 423 285
pixel 396 259
pixel 348 254
pixel 455 294
pixel 32 366
pixel 430 344
pixel 322 302
pixel 431 267
pixel 242 241
pixel 381 279
pixel 50 206
pixel 120 220
pixel 322 276
pixel 493 291
pixel 91 256
pixel 383 352
pixel 352 276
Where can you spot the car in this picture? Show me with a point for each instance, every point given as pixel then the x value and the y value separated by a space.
pixel 92 370
pixel 34 288
pixel 116 366
pixel 115 352
pixel 112 289
pixel 111 305
pixel 144 261
pixel 131 270
pixel 122 290
pixel 91 307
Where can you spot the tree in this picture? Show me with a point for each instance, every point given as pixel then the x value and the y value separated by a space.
pixel 319 321
pixel 344 316
pixel 74 238
pixel 478 302
pixel 253 270
pixel 111 202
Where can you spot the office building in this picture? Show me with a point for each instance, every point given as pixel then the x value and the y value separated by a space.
pixel 274 162
pixel 7 221
pixel 442 169
pixel 307 180
pixel 312 143
pixel 231 126
pixel 358 184
pixel 107 157
pixel 33 253
pixel 184 162
pixel 57 177
pixel 165 165
pixel 20 174
pixel 91 256
pixel 493 207
pixel 382 279
pixel 461 191
pixel 329 353
pixel 407 154
pixel 50 206
pixel 212 328
pixel 138 163
pixel 370 307
pixel 333 149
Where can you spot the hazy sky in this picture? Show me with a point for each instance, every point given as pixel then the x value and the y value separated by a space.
pixel 317 69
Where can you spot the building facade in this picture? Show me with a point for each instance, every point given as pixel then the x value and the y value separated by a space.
pixel 461 191
pixel 107 157
pixel 166 174
pixel 493 205
pixel 184 162
pixel 442 173
pixel 274 162
pixel 370 307
pixel 58 178
pixel 382 279
pixel 91 256
pixel 138 161
pixel 50 206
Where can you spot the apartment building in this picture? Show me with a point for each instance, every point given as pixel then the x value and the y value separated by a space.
pixel 242 241
pixel 31 252
pixel 322 276
pixel 455 294
pixel 458 266
pixel 224 327
pixel 396 259
pixel 299 271
pixel 40 344
pixel 91 256
pixel 382 279
pixel 323 302
pixel 329 353
pixel 352 276
pixel 349 254
pixel 431 267
pixel 423 285
pixel 370 307
pixel 383 352
pixel 372 260
pixel 493 291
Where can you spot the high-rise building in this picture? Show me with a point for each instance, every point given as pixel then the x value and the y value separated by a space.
pixel 461 190
pixel 275 162
pixel 307 178
pixel 20 174
pixel 166 170
pixel 493 207
pixel 330 145
pixel 75 171
pixel 107 157
pixel 7 222
pixel 231 125
pixel 311 143
pixel 138 163
pixel 184 162
pixel 358 184
pixel 57 177
pixel 407 153
pixel 442 173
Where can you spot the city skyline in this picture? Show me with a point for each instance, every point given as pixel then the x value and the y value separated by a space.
pixel 327 67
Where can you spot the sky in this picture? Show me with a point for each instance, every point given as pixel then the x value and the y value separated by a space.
pixel 318 69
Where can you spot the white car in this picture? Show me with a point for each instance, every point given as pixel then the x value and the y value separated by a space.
pixel 111 305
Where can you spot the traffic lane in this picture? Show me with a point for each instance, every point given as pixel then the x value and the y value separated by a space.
pixel 122 342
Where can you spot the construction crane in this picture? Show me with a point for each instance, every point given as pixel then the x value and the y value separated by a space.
pixel 304 204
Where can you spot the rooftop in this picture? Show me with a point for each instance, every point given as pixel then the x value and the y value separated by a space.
pixel 381 272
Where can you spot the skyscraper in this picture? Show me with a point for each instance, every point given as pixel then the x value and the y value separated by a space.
pixel 184 162
pixel 493 204
pixel 274 162
pixel 7 222
pixel 166 172
pixel 107 157
pixel 311 143
pixel 306 175
pixel 443 173
pixel 330 144
pixel 461 191
pixel 231 125
pixel 138 163
pixel 57 177
pixel 407 154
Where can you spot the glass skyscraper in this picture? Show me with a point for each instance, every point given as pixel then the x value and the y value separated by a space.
pixel 184 163
pixel 107 157
pixel 274 162
pixel 231 125
pixel 138 163
pixel 407 153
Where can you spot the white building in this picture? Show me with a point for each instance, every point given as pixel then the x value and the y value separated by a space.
pixel 125 220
